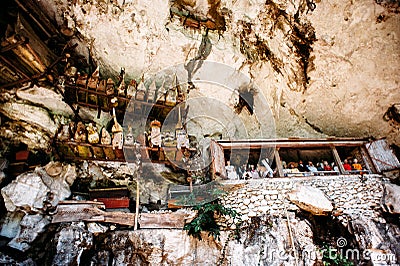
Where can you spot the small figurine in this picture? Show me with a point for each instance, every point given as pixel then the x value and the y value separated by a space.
pixel 170 98
pixel 155 135
pixel 72 129
pixel 81 80
pixel 141 90
pixel 63 135
pixel 105 136
pixel 118 138
pixel 80 133
pixel 151 93
pixel 182 139
pixel 180 97
pixel 131 90
pixel 94 79
pixel 121 90
pixel 93 136
pixel 110 87
pixel 129 139
pixel 161 94
pixel 230 171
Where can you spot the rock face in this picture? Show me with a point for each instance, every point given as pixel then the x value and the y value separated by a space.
pixel 311 199
pixel 325 67
pixel 71 241
pixel 391 199
pixel 29 190
pixel 30 227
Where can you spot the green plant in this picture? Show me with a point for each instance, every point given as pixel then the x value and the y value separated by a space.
pixel 332 257
pixel 205 219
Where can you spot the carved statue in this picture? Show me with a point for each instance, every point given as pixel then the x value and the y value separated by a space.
pixel 80 133
pixel 93 136
pixel 105 136
pixel 118 138
pixel 129 139
pixel 155 135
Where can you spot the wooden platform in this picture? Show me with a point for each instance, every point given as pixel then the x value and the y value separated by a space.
pixel 77 151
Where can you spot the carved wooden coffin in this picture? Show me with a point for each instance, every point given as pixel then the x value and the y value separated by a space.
pixel 164 220
pixel 90 211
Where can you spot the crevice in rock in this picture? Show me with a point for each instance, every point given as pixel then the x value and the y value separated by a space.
pixel 203 52
pixel 299 36
pixel 328 231
pixel 313 126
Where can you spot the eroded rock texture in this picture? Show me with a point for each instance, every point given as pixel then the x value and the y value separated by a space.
pixel 324 67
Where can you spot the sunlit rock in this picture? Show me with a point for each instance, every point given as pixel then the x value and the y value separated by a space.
pixel 29 190
pixel 71 241
pixel 31 227
pixel 311 199
pixel 391 199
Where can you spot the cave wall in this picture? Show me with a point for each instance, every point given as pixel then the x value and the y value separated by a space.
pixel 325 67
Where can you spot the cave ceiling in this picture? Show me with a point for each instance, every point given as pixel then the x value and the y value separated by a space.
pixel 324 68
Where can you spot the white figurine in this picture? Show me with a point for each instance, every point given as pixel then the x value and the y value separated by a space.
pixel 230 171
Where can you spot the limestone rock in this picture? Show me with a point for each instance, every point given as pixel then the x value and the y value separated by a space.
pixel 10 226
pixel 31 227
pixel 29 190
pixel 72 240
pixel 96 228
pixel 30 114
pixel 2 177
pixel 46 97
pixel 311 199
pixel 391 199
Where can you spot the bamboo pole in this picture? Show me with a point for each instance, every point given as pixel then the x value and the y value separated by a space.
pixel 137 202
pixel 291 237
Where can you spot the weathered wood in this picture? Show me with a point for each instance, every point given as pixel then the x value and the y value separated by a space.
pixel 337 160
pixel 278 162
pixel 218 160
pixel 89 211
pixel 164 220
pixel 285 143
pixel 109 192
pixel 382 156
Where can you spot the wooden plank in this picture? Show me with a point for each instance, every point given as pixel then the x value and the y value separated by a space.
pixel 382 156
pixel 164 220
pixel 89 211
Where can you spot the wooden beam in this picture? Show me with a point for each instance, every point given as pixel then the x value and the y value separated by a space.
pixel 278 162
pixel 369 163
pixel 288 145
pixel 337 160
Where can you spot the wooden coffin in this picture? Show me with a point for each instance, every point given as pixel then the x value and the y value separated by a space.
pixel 115 203
pixel 89 211
pixel 164 220
pixel 108 192
pixel 21 156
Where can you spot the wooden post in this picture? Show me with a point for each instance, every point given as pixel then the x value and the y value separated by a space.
pixel 337 160
pixel 137 202
pixel 278 162
pixel 369 163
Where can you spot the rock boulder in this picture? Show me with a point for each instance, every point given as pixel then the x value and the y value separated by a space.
pixel 311 199
pixel 391 199
pixel 29 190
